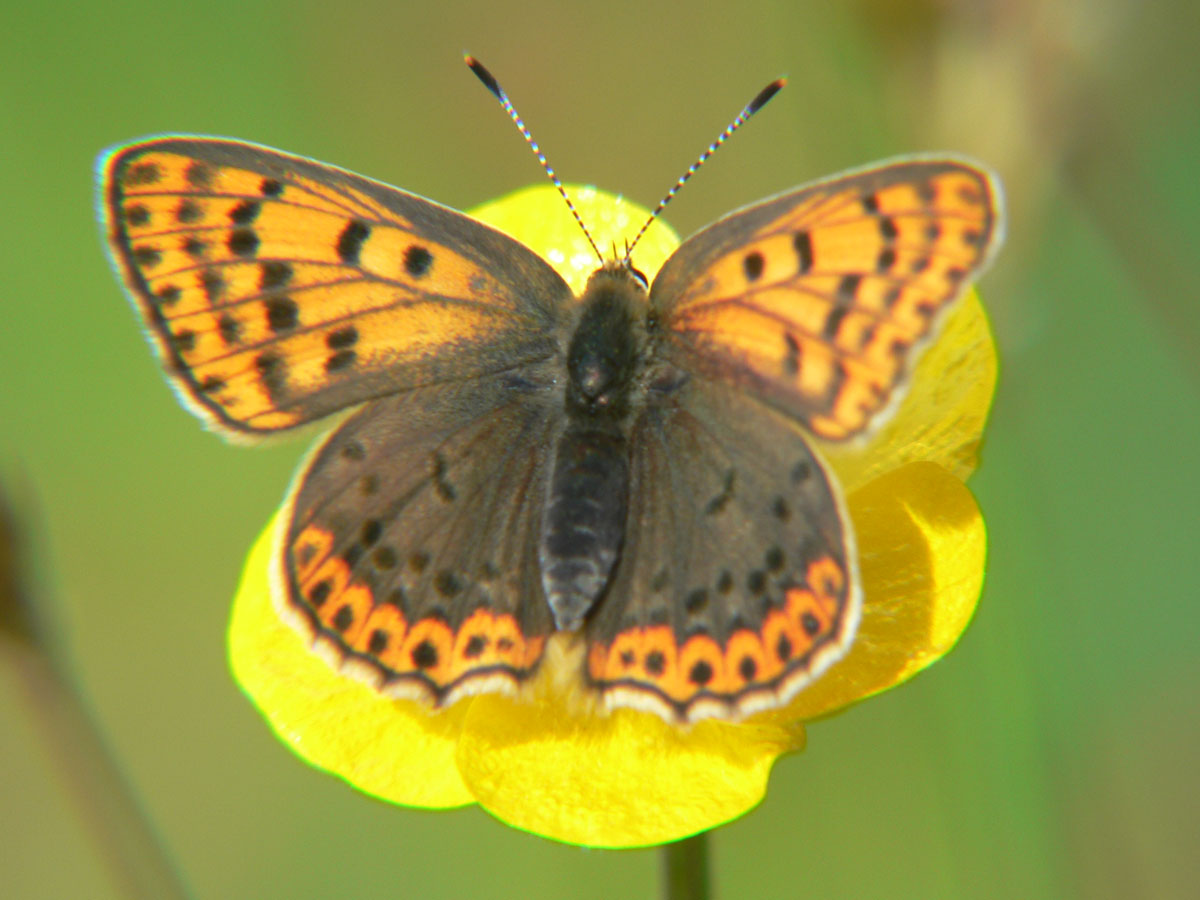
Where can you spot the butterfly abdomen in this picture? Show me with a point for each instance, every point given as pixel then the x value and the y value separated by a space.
pixel 584 523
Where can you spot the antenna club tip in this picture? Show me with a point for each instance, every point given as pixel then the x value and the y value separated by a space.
pixel 484 75
pixel 766 94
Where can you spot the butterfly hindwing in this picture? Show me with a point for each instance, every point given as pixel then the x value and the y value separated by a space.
pixel 737 582
pixel 279 290
pixel 411 551
pixel 817 300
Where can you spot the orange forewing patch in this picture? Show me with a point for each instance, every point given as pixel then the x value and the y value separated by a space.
pixel 826 303
pixel 263 293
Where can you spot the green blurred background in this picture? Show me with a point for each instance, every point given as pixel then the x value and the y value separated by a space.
pixel 1053 754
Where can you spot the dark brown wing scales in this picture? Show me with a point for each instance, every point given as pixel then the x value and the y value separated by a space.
pixel 280 290
pixel 818 300
pixel 411 553
pixel 737 584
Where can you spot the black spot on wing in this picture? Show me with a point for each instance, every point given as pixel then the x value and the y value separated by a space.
pixel 273 372
pixel 447 584
pixel 370 532
pixel 137 215
pixel 783 648
pixel 442 484
pixel 243 242
pixel 341 341
pixel 791 351
pixel 212 283
pixel 168 294
pixel 245 212
pixel 229 328
pixel 847 289
pixel 721 500
pixel 833 321
pixel 701 673
pixel 350 241
pixel 378 642
pixel 184 340
pixel 342 338
pixel 384 558
pixel 274 273
pixel 188 212
pixel 141 173
pixel 199 174
pixel 756 581
pixel 417 261
pixel 320 592
pixel 804 251
pixel 425 655
pixel 343 618
pixel 195 248
pixel 748 668
pixel 343 359
pixel 282 314
pixel 146 256
pixel 753 265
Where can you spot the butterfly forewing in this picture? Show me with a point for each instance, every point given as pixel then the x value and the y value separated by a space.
pixel 817 300
pixel 279 290
pixel 411 552
pixel 737 582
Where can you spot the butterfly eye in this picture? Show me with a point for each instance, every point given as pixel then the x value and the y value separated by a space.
pixel 640 276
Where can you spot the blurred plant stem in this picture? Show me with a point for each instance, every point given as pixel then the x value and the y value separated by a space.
pixel 685 869
pixel 127 843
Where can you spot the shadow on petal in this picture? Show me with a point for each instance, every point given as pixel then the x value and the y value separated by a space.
pixel 922 545
pixel 392 749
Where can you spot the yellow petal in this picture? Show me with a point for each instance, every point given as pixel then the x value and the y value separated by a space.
pixel 537 217
pixel 627 779
pixel 922 547
pixel 393 749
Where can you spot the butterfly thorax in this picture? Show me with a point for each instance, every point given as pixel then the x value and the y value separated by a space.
pixel 603 355
pixel 584 522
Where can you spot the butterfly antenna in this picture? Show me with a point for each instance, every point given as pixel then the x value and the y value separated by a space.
pixel 759 101
pixel 489 82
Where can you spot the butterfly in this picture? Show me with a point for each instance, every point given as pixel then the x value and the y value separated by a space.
pixel 631 469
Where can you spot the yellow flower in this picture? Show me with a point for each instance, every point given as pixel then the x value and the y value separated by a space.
pixel 630 779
